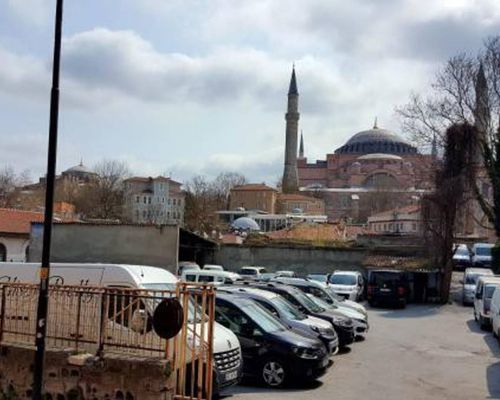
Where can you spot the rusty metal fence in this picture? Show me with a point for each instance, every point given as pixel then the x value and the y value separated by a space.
pixel 118 322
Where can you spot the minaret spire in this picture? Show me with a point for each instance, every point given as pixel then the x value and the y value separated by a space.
pixel 301 146
pixel 434 151
pixel 290 182
pixel 375 124
pixel 482 116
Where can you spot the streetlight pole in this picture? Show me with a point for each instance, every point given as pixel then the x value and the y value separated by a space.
pixel 41 317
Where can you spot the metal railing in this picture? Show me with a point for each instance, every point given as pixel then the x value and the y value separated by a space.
pixel 118 322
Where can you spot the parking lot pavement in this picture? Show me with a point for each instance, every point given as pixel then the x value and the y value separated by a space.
pixel 422 352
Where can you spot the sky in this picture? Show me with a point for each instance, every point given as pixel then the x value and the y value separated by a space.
pixel 188 87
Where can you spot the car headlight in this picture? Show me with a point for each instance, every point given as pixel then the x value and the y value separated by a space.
pixel 323 331
pixel 307 353
pixel 345 322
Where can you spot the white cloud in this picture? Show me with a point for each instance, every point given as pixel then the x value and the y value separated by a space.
pixel 35 12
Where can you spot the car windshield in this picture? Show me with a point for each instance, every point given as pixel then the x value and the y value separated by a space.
pixel 248 271
pixel 342 279
pixel 483 251
pixel 263 318
pixel 333 295
pixel 462 251
pixel 307 302
pixel 321 303
pixel 317 277
pixel 287 309
pixel 488 291
pixel 471 279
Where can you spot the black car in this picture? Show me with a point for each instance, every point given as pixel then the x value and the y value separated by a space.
pixel 271 351
pixel 387 287
pixel 343 325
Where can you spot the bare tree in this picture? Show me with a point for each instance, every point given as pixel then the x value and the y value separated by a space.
pixel 7 185
pixel 452 95
pixel 103 197
pixel 204 198
pixel 453 191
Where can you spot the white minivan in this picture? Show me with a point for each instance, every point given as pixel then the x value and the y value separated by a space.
pixel 495 313
pixel 126 276
pixel 486 285
pixel 211 276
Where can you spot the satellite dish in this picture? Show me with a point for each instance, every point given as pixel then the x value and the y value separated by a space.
pixel 168 318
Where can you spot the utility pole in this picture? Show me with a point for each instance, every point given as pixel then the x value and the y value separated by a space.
pixel 41 317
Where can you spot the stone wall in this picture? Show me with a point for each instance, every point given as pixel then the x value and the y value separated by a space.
pixel 302 260
pixel 108 243
pixel 97 379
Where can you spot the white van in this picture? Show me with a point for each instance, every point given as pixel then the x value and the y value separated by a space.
pixel 213 267
pixel 208 276
pixel 481 255
pixel 495 313
pixel 482 300
pixel 126 276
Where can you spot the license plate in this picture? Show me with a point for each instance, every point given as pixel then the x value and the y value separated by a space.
pixel 385 290
pixel 231 376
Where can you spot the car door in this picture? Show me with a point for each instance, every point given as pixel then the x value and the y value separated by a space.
pixel 243 327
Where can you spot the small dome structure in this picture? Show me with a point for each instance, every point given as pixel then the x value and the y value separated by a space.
pixel 245 224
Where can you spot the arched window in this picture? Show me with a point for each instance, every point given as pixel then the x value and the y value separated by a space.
pixel 3 252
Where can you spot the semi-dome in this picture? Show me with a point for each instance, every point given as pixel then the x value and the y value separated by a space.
pixel 376 141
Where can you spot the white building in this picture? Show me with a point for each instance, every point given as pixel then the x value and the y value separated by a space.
pixel 154 200
pixel 404 220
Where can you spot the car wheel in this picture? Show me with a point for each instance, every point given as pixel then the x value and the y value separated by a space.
pixel 274 372
pixel 482 323
pixel 475 316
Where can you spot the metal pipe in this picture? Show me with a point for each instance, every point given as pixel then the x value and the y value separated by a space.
pixel 41 325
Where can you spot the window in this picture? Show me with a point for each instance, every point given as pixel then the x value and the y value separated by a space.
pixel 414 226
pixel 144 214
pixel 168 201
pixel 149 200
pixel 174 202
pixel 205 278
pixel 168 214
pixel 144 200
pixel 137 199
pixel 190 278
pixel 163 199
pixel 269 308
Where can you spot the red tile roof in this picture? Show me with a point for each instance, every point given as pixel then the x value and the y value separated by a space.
pixel 18 221
pixel 254 187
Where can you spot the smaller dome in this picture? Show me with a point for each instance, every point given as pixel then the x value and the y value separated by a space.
pixel 380 156
pixel 245 224
pixel 80 168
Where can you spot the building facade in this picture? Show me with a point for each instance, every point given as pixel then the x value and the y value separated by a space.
pixel 253 196
pixel 375 170
pixel 157 200
pixel 405 221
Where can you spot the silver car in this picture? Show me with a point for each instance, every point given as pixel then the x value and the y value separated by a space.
pixel 469 282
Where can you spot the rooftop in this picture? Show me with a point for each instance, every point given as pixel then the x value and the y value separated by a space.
pixel 254 187
pixel 18 221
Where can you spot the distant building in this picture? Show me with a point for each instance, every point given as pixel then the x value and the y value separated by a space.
pixel 299 203
pixel 253 196
pixel 405 220
pixel 157 200
pixel 79 174
pixel 15 228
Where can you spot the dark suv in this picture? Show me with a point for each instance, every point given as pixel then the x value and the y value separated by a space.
pixel 387 287
pixel 271 351
pixel 343 325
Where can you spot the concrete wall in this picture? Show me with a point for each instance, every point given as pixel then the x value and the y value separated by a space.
pixel 99 379
pixel 301 260
pixel 125 244
pixel 16 247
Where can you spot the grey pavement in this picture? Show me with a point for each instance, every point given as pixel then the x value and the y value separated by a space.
pixel 422 352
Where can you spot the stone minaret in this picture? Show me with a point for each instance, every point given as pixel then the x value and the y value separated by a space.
pixel 301 146
pixel 290 182
pixel 482 117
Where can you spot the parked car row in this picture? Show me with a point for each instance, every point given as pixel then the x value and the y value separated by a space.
pixel 478 256
pixel 289 328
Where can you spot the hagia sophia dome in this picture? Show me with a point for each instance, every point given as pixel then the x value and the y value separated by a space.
pixel 377 140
